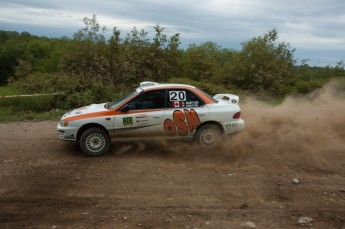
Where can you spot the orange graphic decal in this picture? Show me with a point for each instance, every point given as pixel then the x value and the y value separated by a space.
pixel 192 119
pixel 169 127
pixel 182 128
pixel 179 122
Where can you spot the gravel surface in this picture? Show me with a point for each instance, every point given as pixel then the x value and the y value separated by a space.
pixel 46 183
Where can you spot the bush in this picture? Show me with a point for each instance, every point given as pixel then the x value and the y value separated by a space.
pixel 77 91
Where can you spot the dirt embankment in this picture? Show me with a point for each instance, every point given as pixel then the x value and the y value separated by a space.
pixel 286 165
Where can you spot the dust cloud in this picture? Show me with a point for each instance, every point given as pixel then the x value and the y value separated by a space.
pixel 306 131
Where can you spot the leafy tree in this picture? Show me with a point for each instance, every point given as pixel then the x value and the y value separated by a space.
pixel 22 54
pixel 143 58
pixel 136 45
pixel 22 69
pixel 115 55
pixel 263 65
pixel 84 54
pixel 9 52
pixel 206 61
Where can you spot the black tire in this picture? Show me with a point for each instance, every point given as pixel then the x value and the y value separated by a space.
pixel 94 142
pixel 208 136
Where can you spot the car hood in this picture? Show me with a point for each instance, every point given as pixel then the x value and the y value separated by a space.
pixel 86 110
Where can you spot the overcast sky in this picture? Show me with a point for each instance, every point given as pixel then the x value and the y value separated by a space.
pixel 315 28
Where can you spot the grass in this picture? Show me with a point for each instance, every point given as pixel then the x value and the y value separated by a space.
pixel 5 90
pixel 8 115
pixel 35 108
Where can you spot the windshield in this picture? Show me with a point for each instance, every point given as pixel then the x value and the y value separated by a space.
pixel 117 102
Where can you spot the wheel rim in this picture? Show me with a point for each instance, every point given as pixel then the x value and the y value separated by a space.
pixel 208 137
pixel 95 142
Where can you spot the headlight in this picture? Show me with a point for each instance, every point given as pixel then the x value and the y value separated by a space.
pixel 63 123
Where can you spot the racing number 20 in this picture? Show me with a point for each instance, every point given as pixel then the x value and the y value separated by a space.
pixel 177 95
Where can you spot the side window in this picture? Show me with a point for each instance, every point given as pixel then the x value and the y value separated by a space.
pixel 148 100
pixel 181 98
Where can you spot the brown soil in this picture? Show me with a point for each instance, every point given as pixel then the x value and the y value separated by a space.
pixel 247 183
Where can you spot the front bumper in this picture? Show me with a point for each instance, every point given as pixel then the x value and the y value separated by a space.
pixel 67 133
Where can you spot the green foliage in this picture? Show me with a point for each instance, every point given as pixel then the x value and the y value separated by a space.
pixel 84 55
pixel 22 54
pixel 35 104
pixel 6 90
pixel 307 78
pixel 90 69
pixel 210 88
pixel 119 61
pixel 7 114
pixel 77 91
pixel 206 61
pixel 263 65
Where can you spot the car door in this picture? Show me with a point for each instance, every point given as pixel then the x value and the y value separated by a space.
pixel 184 112
pixel 143 117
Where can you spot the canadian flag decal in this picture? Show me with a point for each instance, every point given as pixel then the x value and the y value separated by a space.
pixel 177 104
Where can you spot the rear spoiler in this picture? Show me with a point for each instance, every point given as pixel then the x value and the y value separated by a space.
pixel 229 98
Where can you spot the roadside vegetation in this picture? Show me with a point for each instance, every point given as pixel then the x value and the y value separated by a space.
pixel 89 68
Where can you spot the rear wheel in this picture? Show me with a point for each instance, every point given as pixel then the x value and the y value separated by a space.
pixel 208 135
pixel 94 142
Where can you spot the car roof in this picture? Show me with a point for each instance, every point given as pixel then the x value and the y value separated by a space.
pixel 152 85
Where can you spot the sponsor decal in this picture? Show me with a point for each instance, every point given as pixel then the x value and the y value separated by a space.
pixel 142 119
pixel 192 104
pixel 178 104
pixel 127 121
pixel 141 116
pixel 182 123
pixel 231 125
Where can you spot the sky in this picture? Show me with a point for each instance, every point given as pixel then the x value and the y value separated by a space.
pixel 314 28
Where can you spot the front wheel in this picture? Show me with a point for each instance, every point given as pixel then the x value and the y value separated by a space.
pixel 208 135
pixel 94 142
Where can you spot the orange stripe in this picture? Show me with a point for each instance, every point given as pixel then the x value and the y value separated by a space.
pixel 106 114
pixel 90 115
pixel 206 99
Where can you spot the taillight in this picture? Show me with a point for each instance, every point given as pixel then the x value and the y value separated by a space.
pixel 237 115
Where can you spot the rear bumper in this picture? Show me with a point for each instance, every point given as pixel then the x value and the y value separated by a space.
pixel 233 126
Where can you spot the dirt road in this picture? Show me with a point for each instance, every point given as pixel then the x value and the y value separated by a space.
pixel 286 170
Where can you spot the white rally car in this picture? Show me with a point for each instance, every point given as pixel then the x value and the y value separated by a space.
pixel 169 111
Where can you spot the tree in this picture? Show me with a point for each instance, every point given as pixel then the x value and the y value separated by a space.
pixel 263 65
pixel 85 54
pixel 206 61
pixel 153 59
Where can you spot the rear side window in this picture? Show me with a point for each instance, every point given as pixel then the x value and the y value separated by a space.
pixel 207 95
pixel 182 98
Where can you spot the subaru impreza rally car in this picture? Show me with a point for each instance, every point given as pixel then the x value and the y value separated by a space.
pixel 169 111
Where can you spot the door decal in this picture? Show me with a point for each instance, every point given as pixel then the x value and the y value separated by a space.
pixel 127 121
pixel 179 125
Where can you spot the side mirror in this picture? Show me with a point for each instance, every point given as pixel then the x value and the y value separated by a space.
pixel 124 108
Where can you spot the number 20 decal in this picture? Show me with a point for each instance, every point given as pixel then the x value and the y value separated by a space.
pixel 177 96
